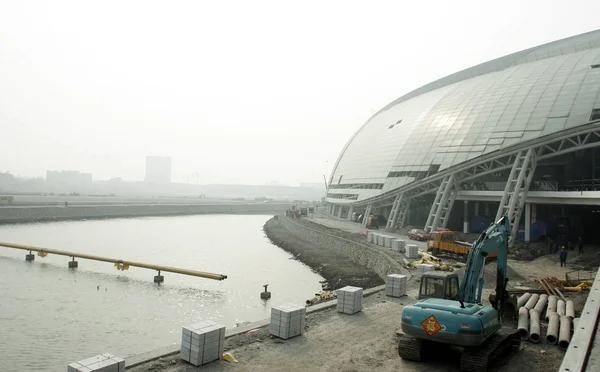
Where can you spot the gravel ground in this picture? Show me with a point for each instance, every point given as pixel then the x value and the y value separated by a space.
pixel 365 341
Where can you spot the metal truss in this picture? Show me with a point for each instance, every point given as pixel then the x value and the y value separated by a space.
pixel 556 144
pixel 442 204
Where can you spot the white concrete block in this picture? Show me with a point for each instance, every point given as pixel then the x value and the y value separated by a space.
pixel 349 300
pixel 370 237
pixel 99 363
pixel 424 268
pixel 202 342
pixel 412 251
pixel 287 320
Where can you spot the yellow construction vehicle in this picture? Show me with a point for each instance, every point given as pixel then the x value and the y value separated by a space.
pixel 447 241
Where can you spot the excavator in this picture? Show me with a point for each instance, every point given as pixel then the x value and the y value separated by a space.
pixel 445 314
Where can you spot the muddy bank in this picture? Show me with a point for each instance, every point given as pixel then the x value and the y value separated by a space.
pixel 337 268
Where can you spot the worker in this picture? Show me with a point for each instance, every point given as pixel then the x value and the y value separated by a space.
pixel 563 256
pixel 580 244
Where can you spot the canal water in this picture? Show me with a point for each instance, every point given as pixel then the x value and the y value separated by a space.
pixel 51 315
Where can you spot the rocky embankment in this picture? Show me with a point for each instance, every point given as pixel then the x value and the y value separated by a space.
pixel 341 260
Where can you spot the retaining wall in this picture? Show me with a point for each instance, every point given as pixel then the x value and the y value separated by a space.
pixel 374 258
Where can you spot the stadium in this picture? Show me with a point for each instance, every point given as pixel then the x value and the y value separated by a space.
pixel 517 135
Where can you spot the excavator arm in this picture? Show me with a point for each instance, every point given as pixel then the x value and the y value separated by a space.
pixel 471 286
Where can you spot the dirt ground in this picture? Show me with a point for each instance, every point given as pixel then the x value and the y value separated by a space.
pixel 365 341
pixel 368 340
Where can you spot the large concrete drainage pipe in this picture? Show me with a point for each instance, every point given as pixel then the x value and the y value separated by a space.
pixel 552 332
pixel 561 308
pixel 551 305
pixel 532 301
pixel 541 304
pixel 523 324
pixel 570 309
pixel 564 337
pixel 534 326
pixel 521 301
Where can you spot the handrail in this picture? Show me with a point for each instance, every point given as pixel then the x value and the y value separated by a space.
pixel 118 262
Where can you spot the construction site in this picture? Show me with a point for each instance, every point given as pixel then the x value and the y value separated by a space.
pixel 371 335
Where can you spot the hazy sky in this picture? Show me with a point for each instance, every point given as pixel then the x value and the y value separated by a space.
pixel 237 91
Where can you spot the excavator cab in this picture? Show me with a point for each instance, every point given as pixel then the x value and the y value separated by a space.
pixel 439 284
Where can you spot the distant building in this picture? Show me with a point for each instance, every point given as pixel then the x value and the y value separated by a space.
pixel 158 169
pixel 68 180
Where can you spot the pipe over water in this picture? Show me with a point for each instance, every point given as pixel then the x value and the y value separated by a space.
pixel 552 332
pixel 532 301
pixel 534 326
pixel 541 304
pixel 523 325
pixel 564 337
pixel 570 309
pixel 521 301
pixel 561 308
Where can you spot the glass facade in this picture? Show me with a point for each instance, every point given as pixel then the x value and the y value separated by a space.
pixel 480 110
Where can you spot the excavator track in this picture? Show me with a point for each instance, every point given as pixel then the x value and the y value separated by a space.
pixel 410 348
pixel 493 352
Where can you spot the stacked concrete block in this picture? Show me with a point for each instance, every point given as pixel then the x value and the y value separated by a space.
pixel 99 363
pixel 380 238
pixel 388 241
pixel 424 268
pixel 395 285
pixel 287 321
pixel 398 245
pixel 412 251
pixel 202 343
pixel 349 300
pixel 370 237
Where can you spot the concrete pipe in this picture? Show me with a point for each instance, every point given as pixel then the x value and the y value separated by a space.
pixel 551 305
pixel 564 336
pixel 523 326
pixel 521 301
pixel 532 301
pixel 552 332
pixel 570 309
pixel 534 326
pixel 561 308
pixel 541 304
pixel 548 313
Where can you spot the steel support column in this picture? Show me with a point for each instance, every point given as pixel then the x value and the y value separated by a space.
pixel 442 205
pixel 367 214
pixel 466 217
pixel 527 222
pixel 515 192
pixel 350 211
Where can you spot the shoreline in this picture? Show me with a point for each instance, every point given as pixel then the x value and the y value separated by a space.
pixel 337 268
pixel 24 215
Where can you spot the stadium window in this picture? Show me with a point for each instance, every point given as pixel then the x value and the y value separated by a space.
pixel 595 114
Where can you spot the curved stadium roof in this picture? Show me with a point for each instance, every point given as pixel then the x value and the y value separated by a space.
pixel 485 108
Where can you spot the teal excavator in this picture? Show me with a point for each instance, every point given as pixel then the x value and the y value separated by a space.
pixel 455 316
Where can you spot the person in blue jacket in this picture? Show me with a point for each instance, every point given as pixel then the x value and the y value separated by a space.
pixel 563 256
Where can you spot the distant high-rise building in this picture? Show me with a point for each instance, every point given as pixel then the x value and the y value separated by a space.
pixel 158 169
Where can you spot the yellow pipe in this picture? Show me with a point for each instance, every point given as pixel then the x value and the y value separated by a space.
pixel 176 270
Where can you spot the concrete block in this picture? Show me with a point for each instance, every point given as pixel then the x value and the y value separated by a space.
pixel 99 363
pixel 370 237
pixel 202 342
pixel 349 300
pixel 398 245
pixel 287 320
pixel 424 268
pixel 412 251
